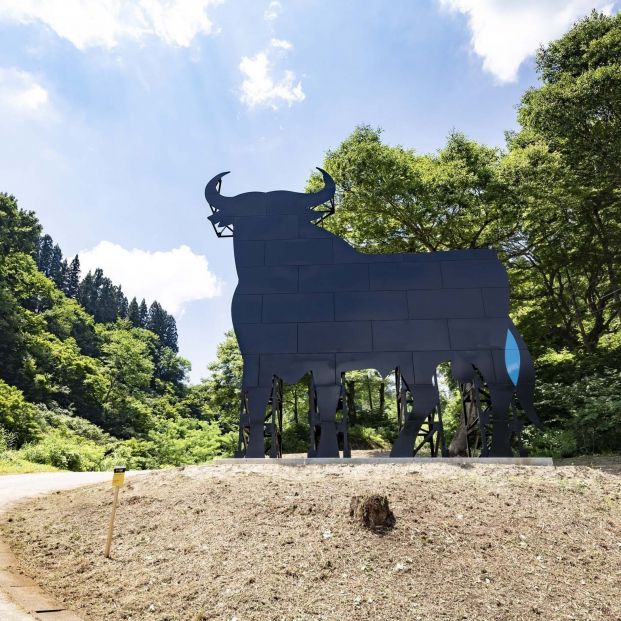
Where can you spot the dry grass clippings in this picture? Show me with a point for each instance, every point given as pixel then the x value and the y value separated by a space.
pixel 265 543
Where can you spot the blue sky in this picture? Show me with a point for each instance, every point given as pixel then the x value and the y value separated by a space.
pixel 113 115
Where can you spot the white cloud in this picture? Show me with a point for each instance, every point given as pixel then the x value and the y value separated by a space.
pixel 273 10
pixel 507 32
pixel 259 88
pixel 20 92
pixel 88 23
pixel 282 44
pixel 173 277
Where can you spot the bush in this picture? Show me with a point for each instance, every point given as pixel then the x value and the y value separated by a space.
pixel 64 451
pixel 550 442
pixel 367 438
pixel 18 418
pixel 295 437
pixel 579 401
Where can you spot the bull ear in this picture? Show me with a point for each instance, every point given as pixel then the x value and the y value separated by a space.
pixel 212 192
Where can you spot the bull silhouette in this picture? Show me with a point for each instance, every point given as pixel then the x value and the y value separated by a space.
pixel 307 301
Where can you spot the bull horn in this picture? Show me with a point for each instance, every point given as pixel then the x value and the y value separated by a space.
pixel 212 194
pixel 326 193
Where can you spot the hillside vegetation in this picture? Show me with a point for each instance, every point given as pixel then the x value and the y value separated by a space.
pixel 84 390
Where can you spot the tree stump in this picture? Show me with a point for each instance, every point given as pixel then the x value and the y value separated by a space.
pixel 372 512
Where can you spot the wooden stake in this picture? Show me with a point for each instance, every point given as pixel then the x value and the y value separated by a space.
pixel 118 478
pixel 111 526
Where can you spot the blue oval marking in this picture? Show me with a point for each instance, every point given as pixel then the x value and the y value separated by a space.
pixel 512 358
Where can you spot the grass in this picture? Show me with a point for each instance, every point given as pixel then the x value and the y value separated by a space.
pixel 11 464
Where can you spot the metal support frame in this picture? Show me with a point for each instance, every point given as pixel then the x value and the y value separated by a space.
pixel 476 399
pixel 272 426
pixel 431 431
pixel 314 421
pixel 477 412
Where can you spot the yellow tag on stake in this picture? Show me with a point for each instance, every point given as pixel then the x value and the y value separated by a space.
pixel 118 478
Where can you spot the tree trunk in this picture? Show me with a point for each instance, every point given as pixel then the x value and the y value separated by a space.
pixel 351 401
pixel 370 393
pixel 459 444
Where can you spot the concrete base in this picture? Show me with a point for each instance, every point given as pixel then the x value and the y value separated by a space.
pixel 352 461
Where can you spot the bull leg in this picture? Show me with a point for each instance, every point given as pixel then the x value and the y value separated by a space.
pixel 501 395
pixel 258 397
pixel 327 401
pixel 425 400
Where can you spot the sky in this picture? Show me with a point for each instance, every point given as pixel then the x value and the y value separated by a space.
pixel 115 113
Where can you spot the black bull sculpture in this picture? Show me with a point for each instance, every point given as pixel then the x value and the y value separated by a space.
pixel 308 302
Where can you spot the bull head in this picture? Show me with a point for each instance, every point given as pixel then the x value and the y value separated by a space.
pixel 226 208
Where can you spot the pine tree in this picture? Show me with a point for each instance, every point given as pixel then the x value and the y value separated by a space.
pixel 72 279
pixel 44 256
pixel 157 319
pixel 133 313
pixel 56 266
pixel 170 336
pixel 106 311
pixel 164 325
pixel 143 314
pixel 121 303
pixel 62 277
pixel 98 277
pixel 87 295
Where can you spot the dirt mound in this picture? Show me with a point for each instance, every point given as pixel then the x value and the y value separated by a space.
pixel 273 543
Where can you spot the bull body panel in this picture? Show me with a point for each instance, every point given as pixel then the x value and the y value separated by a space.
pixel 306 301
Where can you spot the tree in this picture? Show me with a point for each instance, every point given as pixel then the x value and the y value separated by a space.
pixel 133 313
pixel 390 199
pixel 122 306
pixel 564 166
pixel 17 416
pixel 20 230
pixel 163 324
pixel 87 295
pixel 170 370
pixel 106 310
pixel 44 254
pixel 171 337
pixel 72 279
pixel 56 271
pixel 128 369
pixel 222 388
pixel 143 314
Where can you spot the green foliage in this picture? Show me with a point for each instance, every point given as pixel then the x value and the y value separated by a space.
pixel 220 392
pixel 10 463
pixel 63 451
pixel 391 199
pixel 18 418
pixel 361 437
pixel 579 399
pixel 82 392
pixel 564 162
pixel 295 437
pixel 20 229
